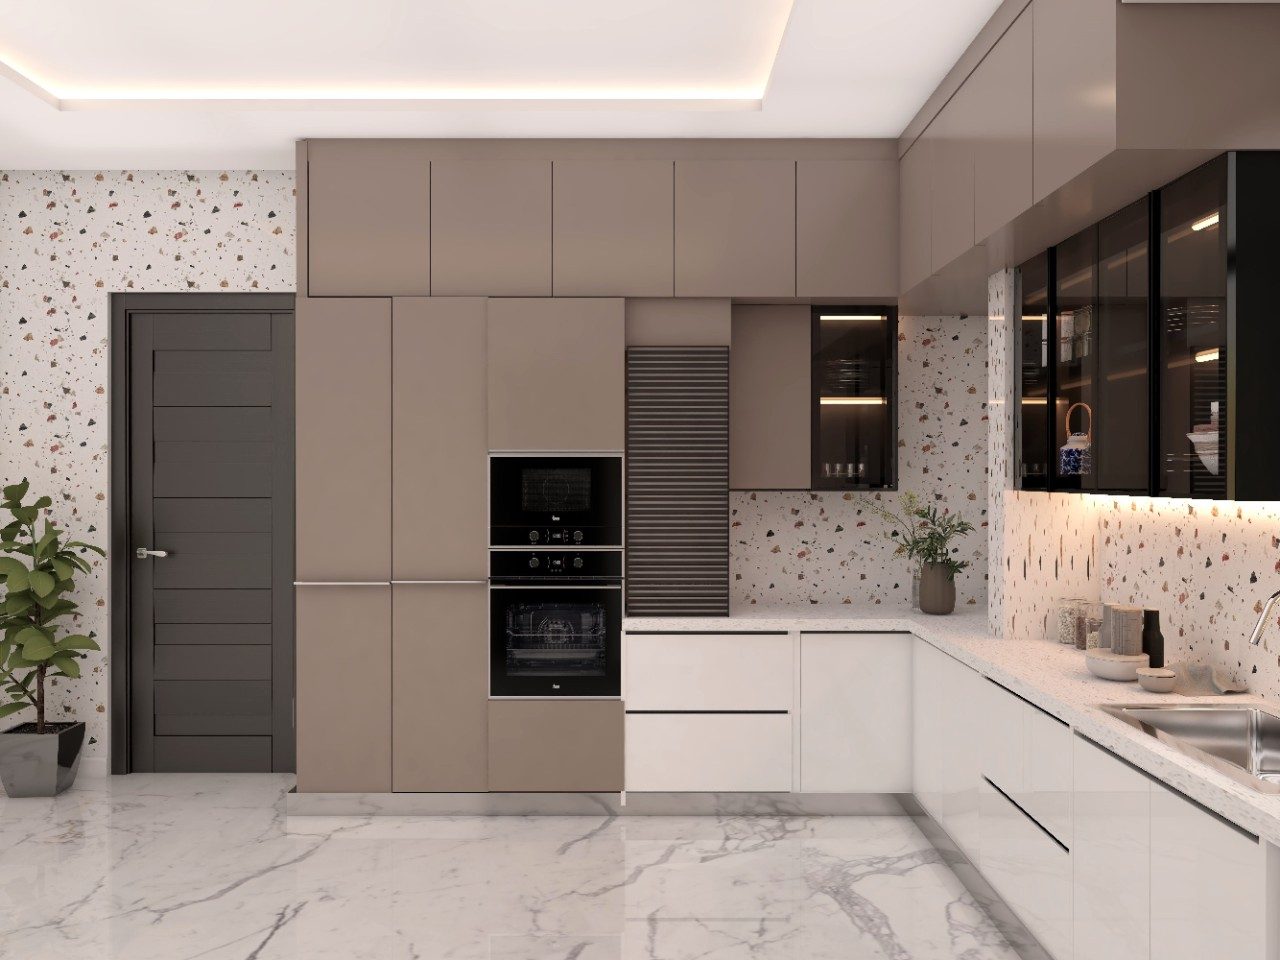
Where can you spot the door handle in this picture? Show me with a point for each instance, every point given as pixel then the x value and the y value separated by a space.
pixel 143 552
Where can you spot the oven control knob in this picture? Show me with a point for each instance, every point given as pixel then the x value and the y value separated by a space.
pixel 533 536
pixel 577 563
pixel 533 563
pixel 577 536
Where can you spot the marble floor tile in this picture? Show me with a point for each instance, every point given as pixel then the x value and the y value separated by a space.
pixel 180 867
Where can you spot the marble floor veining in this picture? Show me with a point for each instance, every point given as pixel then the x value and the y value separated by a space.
pixel 179 867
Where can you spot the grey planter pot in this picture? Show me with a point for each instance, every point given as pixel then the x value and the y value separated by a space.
pixel 40 764
pixel 937 589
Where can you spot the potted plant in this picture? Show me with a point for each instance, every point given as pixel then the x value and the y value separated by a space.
pixel 924 534
pixel 38 758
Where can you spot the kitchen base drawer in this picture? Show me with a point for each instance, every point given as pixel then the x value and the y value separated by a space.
pixel 709 752
pixel 1028 869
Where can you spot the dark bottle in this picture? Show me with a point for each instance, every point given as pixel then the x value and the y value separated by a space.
pixel 1152 638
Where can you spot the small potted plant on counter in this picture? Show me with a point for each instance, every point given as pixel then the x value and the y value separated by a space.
pixel 38 758
pixel 923 535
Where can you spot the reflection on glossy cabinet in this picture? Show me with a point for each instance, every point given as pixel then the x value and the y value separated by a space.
pixel 440 693
pixel 613 226
pixel 344 658
pixel 440 507
pixel 556 374
pixel 1002 130
pixel 847 228
pixel 735 228
pixel 946 761
pixel 855 713
pixel 368 218
pixel 491 228
pixel 1112 853
pixel 1208 885
pixel 343 445
pixel 1074 88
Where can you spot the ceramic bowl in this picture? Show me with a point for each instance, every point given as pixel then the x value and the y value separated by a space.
pixel 1156 679
pixel 1115 666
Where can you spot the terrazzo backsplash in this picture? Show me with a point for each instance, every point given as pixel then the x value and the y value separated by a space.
pixel 1206 566
pixel 67 241
pixel 823 549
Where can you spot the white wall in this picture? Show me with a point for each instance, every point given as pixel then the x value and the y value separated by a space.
pixel 67 241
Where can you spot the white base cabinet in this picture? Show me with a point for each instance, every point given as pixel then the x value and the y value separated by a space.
pixel 946 743
pixel 1029 869
pixel 1208 885
pixel 708 753
pixel 1112 853
pixel 855 712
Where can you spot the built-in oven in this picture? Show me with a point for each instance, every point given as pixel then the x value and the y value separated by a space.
pixel 555 623
pixel 562 500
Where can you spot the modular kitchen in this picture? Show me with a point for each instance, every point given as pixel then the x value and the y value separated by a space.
pixel 576 507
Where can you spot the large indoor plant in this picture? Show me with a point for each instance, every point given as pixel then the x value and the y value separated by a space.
pixel 38 757
pixel 924 535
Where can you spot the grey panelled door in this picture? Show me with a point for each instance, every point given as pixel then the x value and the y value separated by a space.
pixel 211 492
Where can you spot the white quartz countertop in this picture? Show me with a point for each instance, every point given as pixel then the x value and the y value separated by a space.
pixel 1051 676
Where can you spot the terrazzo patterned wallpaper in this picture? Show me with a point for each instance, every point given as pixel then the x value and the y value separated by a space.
pixel 822 549
pixel 67 241
pixel 1206 566
pixel 1002 295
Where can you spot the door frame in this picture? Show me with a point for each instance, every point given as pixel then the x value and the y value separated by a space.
pixel 123 305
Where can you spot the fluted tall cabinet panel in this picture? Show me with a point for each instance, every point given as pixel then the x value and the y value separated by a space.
pixel 677 481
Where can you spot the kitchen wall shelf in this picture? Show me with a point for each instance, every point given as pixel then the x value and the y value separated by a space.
pixel 854 389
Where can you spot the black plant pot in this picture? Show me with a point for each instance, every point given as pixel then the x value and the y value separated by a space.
pixel 40 764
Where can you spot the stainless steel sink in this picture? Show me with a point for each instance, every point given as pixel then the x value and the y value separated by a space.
pixel 1240 740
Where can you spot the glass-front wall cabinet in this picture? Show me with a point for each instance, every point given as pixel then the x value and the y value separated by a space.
pixel 854 398
pixel 1034 422
pixel 1122 450
pixel 1192 330
pixel 1075 360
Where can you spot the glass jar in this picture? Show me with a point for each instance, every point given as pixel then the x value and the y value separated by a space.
pixel 1070 615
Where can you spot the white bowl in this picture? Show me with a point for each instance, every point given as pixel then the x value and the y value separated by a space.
pixel 1156 679
pixel 1115 666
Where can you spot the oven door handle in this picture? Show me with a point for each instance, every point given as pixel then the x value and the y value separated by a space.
pixel 494 585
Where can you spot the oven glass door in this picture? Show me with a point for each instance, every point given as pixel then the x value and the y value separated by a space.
pixel 555 641
pixel 542 500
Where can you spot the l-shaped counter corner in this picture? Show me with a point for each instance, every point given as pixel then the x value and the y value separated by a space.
pixel 1048 675
pixel 1105 842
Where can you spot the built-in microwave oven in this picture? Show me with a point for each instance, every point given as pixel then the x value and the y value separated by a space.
pixel 560 500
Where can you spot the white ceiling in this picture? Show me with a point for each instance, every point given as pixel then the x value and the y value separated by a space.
pixel 232 83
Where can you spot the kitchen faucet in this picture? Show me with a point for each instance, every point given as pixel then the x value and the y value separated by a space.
pixel 1255 638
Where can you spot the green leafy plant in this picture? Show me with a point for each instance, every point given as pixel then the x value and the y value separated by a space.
pixel 38 569
pixel 922 533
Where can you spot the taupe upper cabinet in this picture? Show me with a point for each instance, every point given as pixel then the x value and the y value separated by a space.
pixel 556 374
pixel 343 445
pixel 344 685
pixel 491 228
pixel 915 243
pixel 613 228
pixel 1002 130
pixel 847 228
pixel 369 219
pixel 439 507
pixel 1074 65
pixel 440 690
pixel 735 228
pixel 770 398
pixel 952 135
